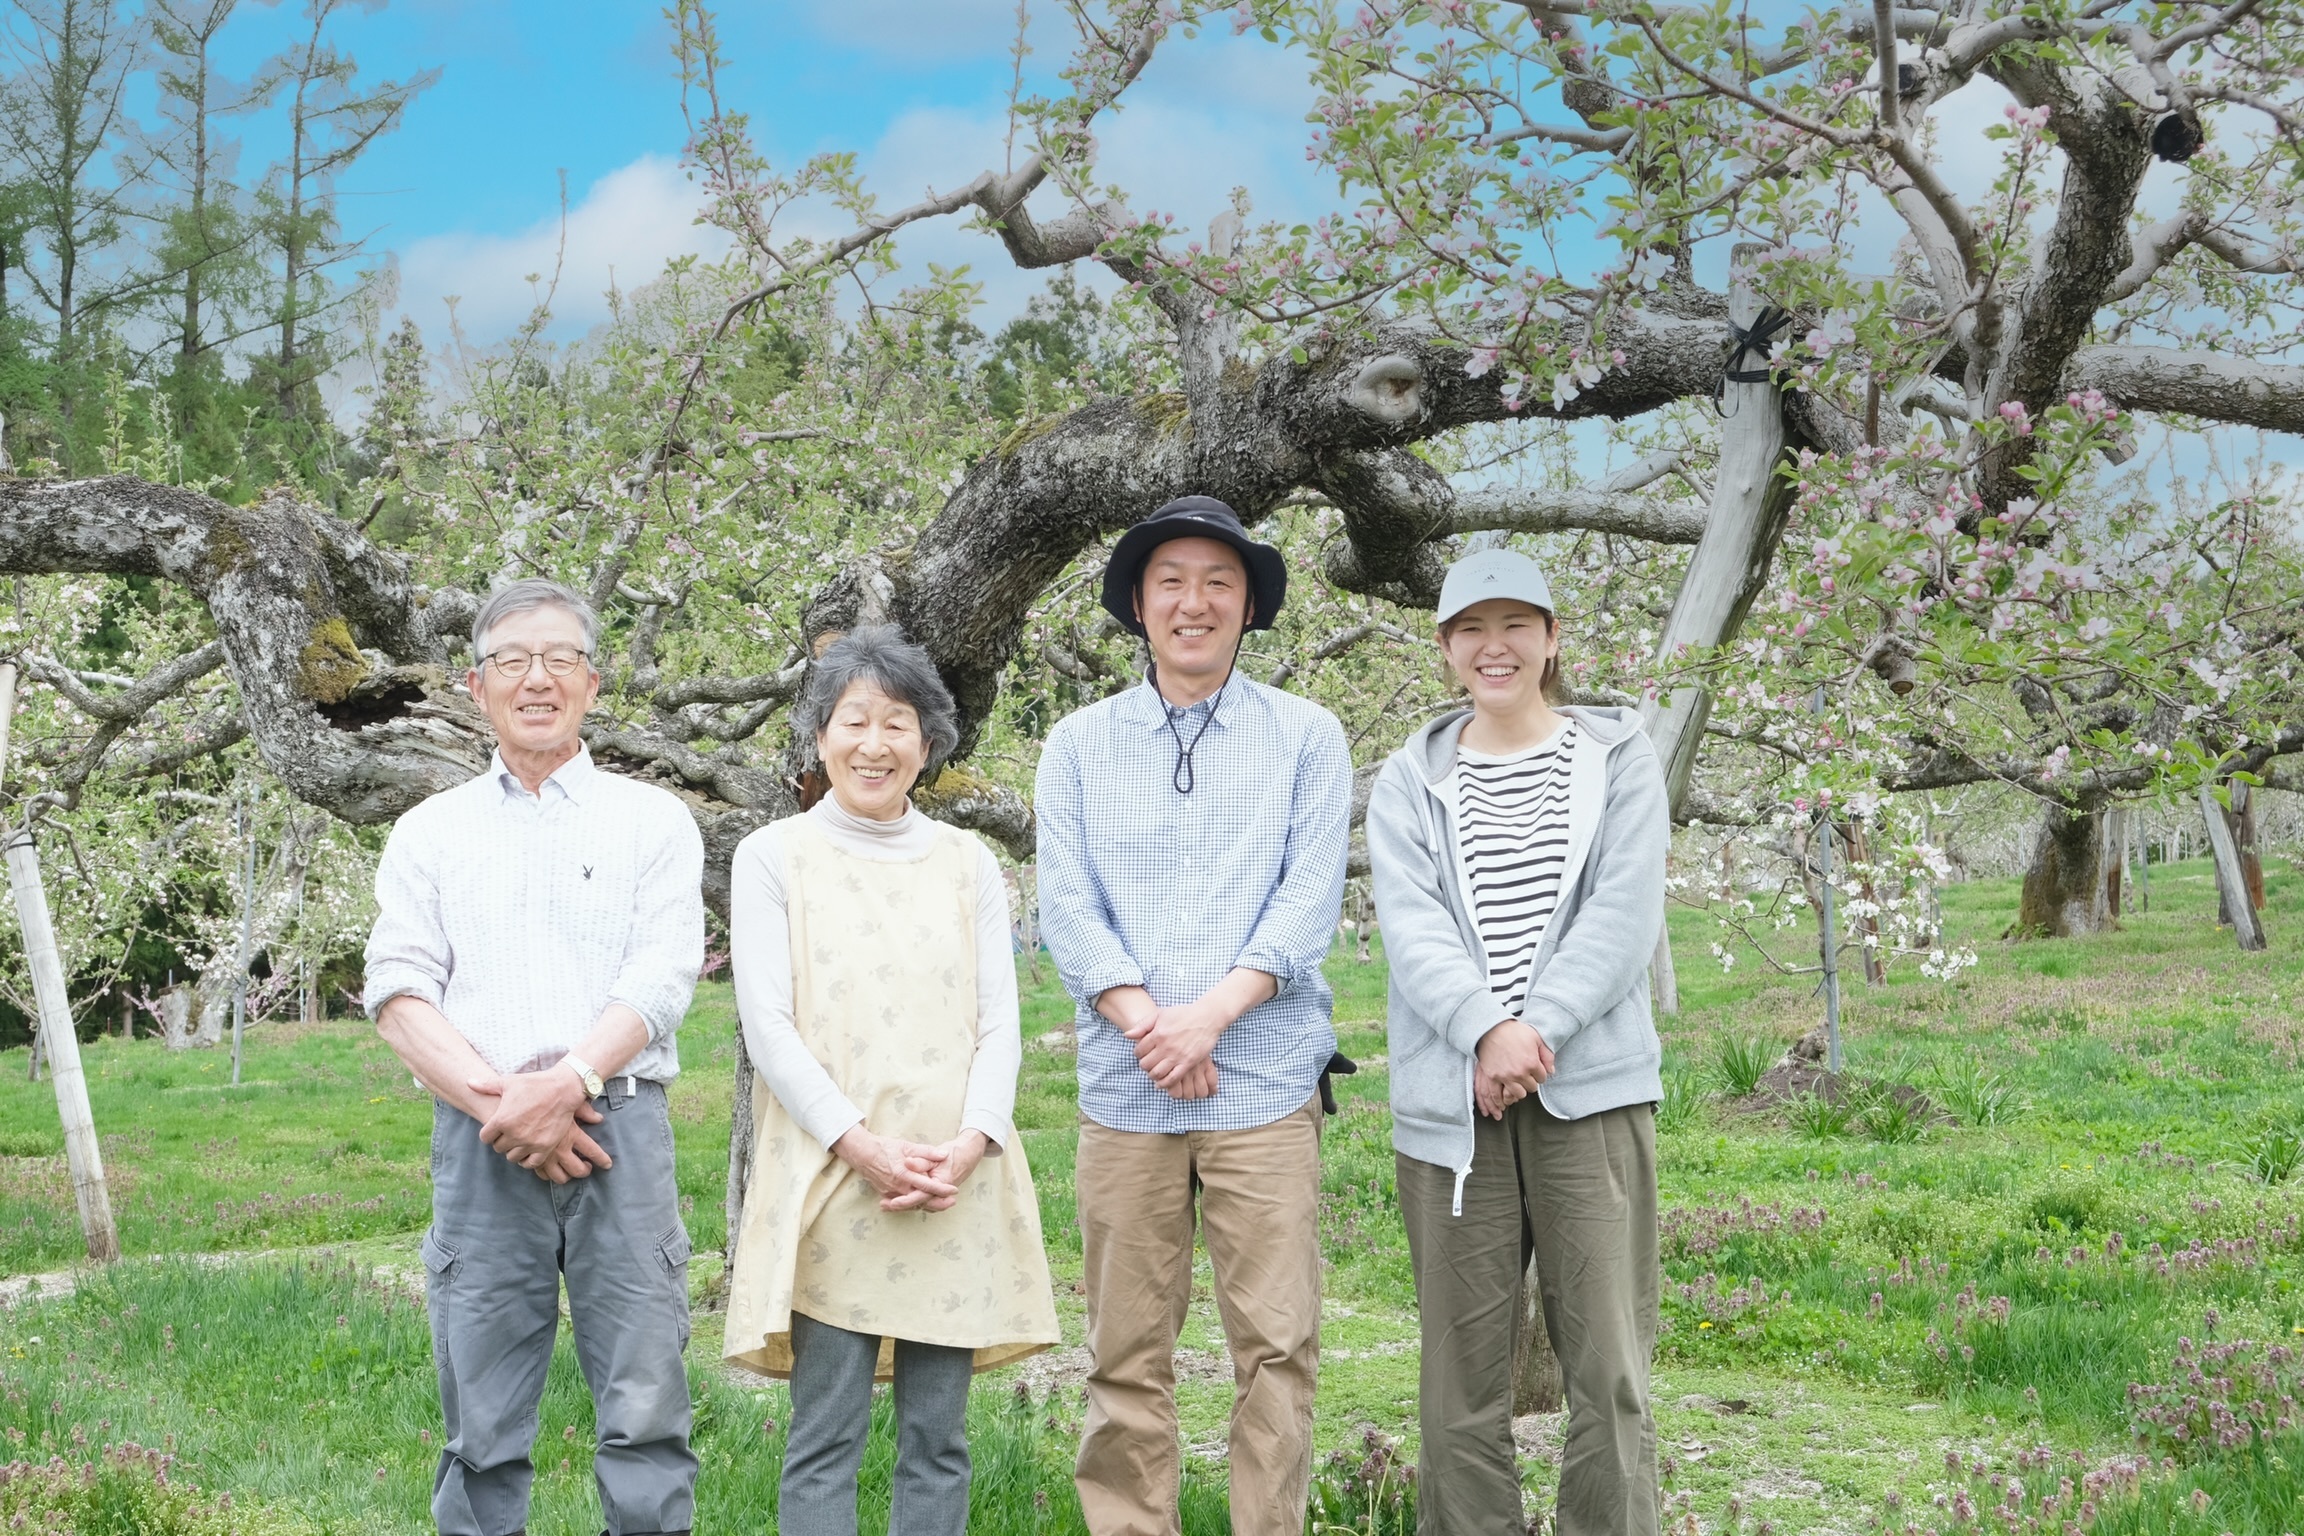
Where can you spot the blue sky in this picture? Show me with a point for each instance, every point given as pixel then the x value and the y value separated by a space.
pixel 465 197
pixel 466 194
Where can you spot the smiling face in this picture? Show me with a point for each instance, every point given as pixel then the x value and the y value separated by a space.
pixel 873 750
pixel 538 718
pixel 1498 649
pixel 1193 600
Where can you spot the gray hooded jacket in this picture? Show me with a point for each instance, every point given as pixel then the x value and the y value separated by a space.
pixel 1588 987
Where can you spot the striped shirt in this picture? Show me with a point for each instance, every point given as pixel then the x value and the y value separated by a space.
pixel 1512 831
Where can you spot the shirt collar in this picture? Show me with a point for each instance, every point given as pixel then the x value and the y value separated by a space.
pixel 1144 703
pixel 573 776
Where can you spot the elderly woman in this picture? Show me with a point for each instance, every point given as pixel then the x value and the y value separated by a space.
pixel 890 1229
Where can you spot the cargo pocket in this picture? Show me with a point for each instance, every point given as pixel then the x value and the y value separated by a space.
pixel 674 1249
pixel 440 1261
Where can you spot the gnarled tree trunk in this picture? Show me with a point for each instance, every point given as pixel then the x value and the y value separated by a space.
pixel 2064 889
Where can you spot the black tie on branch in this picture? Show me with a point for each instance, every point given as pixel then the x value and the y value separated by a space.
pixel 1754 340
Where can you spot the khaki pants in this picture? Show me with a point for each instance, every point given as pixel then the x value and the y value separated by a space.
pixel 1259 1198
pixel 1580 1196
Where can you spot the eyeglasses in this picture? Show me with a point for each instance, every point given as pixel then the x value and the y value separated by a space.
pixel 513 662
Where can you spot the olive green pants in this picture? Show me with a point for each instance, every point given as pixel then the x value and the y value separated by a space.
pixel 1580 1197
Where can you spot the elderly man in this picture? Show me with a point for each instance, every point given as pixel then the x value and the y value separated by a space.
pixel 538 934
pixel 1192 845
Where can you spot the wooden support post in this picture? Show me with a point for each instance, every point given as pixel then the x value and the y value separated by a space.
pixel 2143 866
pixel 247 925
pixel 83 1157
pixel 1750 502
pixel 2231 877
pixel 1829 939
pixel 1663 975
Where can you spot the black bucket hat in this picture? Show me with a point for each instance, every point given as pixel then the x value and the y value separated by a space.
pixel 1193 517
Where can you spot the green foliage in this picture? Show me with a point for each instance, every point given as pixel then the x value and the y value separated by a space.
pixel 127 1491
pixel 1741 1062
pixel 1364 1490
pixel 2275 1150
pixel 2070 1207
pixel 1819 1115
pixel 1683 1102
pixel 1975 1094
pixel 1893 1117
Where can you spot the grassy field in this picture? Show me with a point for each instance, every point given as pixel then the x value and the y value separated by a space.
pixel 2088 1230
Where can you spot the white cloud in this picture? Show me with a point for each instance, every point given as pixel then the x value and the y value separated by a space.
pixel 626 227
pixel 1211 114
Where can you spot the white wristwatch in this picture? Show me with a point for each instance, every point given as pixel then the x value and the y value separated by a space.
pixel 593 1087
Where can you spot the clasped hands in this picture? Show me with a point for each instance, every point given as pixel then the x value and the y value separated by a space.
pixel 538 1122
pixel 912 1175
pixel 1513 1061
pixel 1175 1046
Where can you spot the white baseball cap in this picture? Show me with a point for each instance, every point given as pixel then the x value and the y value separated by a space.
pixel 1488 573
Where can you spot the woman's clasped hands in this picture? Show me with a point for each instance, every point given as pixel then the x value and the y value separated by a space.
pixel 1513 1062
pixel 912 1175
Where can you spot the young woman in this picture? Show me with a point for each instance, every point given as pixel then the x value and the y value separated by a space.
pixel 1518 852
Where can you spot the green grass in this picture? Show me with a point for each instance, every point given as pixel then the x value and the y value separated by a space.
pixel 308 1384
pixel 2112 1171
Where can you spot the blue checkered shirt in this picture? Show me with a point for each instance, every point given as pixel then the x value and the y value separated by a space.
pixel 1143 886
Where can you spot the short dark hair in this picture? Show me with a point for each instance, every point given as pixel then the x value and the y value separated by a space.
pixel 1555 691
pixel 881 656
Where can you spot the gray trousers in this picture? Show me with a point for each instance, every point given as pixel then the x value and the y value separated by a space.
pixel 832 1416
pixel 1580 1196
pixel 501 1240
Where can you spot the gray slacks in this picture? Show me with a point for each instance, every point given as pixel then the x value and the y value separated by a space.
pixel 1580 1196
pixel 832 1417
pixel 501 1241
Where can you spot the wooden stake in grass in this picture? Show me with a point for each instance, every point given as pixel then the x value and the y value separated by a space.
pixel 2231 874
pixel 81 1153
pixel 1827 938
pixel 1750 502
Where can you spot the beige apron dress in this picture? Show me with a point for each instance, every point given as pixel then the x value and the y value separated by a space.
pixel 884 995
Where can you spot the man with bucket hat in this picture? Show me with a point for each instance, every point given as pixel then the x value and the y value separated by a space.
pixel 1193 834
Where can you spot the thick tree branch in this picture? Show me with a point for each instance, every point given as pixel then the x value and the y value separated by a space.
pixel 295 594
pixel 2209 385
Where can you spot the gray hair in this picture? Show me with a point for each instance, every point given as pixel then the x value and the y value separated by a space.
pixel 526 596
pixel 880 655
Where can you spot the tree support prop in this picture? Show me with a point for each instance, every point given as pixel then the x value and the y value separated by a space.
pixel 2231 876
pixel 82 1155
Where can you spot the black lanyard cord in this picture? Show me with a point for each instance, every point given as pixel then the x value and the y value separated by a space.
pixel 1184 777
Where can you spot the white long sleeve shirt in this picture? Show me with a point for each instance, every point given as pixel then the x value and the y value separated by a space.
pixel 522 917
pixel 760 946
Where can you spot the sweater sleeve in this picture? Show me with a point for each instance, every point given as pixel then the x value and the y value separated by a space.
pixel 760 952
pixel 991 1100
pixel 1613 935
pixel 1422 942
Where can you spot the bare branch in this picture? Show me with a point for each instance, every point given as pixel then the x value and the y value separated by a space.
pixel 1599 511
pixel 1337 644
pixel 132 703
pixel 216 731
pixel 770 686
